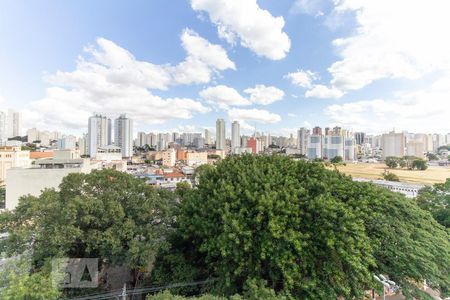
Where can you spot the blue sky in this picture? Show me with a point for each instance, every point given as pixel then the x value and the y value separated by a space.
pixel 182 64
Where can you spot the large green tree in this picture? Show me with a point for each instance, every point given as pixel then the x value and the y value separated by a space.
pixel 436 199
pixel 106 214
pixel 307 231
pixel 17 282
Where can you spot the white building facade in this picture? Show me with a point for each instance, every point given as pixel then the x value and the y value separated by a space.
pixel 99 133
pixel 235 135
pixel 123 135
pixel 220 134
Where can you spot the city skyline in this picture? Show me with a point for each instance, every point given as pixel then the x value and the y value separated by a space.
pixel 317 63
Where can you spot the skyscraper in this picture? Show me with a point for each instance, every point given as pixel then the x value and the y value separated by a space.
pixel 220 134
pixel 83 145
pixel 141 139
pixel 393 144
pixel 235 135
pixel 317 130
pixel 302 140
pixel 360 138
pixel 99 130
pixel 14 123
pixel 123 135
pixel 207 137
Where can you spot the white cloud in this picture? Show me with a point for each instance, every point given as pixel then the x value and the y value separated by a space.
pixel 256 28
pixel 203 60
pixel 308 7
pixel 406 111
pixel 256 115
pixel 223 96
pixel 112 81
pixel 323 92
pixel 114 65
pixel 264 95
pixel 291 115
pixel 393 39
pixel 302 78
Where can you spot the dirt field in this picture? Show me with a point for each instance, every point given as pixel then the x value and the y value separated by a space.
pixel 373 171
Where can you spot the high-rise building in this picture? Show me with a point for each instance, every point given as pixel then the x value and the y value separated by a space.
pixel 83 144
pixel 162 142
pixel 349 149
pixel 315 145
pixel 175 136
pixel 67 142
pixel 393 144
pixel 317 130
pixel 99 131
pixel 207 137
pixel 235 135
pixel 252 144
pixel 109 133
pixel 141 139
pixel 152 140
pixel 14 121
pixel 302 140
pixel 123 137
pixel 333 146
pixel 416 148
pixel 220 134
pixel 360 138
pixel 337 130
pixel 438 141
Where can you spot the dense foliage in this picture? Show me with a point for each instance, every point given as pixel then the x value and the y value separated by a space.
pixel 260 227
pixel 436 200
pixel 106 214
pixel 410 162
pixel 390 176
pixel 16 281
pixel 336 160
pixel 306 231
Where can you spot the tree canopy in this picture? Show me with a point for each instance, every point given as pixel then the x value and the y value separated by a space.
pixel 336 160
pixel 390 176
pixel 17 282
pixel 436 200
pixel 306 231
pixel 106 214
pixel 262 227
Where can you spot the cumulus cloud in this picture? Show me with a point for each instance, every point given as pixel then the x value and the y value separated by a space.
pixel 393 39
pixel 223 96
pixel 308 7
pixel 255 115
pixel 323 92
pixel 112 81
pixel 264 95
pixel 256 28
pixel 204 59
pixel 302 78
pixel 406 111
